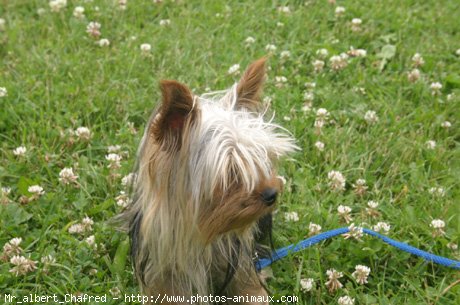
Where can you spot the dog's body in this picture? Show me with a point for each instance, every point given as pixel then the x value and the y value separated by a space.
pixel 205 177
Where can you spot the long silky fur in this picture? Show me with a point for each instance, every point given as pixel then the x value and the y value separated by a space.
pixel 172 189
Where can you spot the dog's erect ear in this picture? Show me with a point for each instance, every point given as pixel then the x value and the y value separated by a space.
pixel 250 86
pixel 176 113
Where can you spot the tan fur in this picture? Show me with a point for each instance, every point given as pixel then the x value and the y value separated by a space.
pixel 202 168
pixel 250 86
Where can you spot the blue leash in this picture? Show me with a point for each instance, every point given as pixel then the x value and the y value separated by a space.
pixel 283 252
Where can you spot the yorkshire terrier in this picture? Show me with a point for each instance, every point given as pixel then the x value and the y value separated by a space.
pixel 206 180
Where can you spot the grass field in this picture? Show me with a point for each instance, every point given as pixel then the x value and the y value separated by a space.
pixel 379 120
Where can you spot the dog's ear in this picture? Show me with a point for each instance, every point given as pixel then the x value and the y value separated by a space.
pixel 175 115
pixel 250 86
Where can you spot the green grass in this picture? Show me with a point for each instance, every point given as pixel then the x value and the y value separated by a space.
pixel 58 79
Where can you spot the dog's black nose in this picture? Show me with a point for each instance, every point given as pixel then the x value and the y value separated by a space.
pixel 269 195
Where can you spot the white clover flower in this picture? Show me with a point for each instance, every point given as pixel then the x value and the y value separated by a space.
pixel 355 232
pixel 339 11
pixel 104 42
pixel 308 96
pixel 113 148
pixel 333 283
pixel 291 216
pixel 357 52
pixel 67 176
pixel 36 190
pixel 87 222
pixel 146 48
pixel 41 11
pixel 446 124
pixel 5 190
pixel 319 145
pixel 430 144
pixel 360 90
pixel 435 88
pixel 438 226
pixel 414 75
pixel 372 208
pixel 83 133
pixel 84 226
pixel 2 24
pixel 287 118
pixel 322 53
pixel 346 300
pixel 22 265
pixel 356 24
pixel 360 187
pixel 280 24
pixel 322 113
pixel 76 228
pixel 129 179
pixel 12 247
pixel 371 117
pixel 20 151
pixel 450 97
pixel 344 212
pixel 372 204
pixel 314 229
pixel 79 12
pixel 417 60
pixel 280 81
pixel 307 284
pixel 48 259
pixel 336 180
pixel 114 160
pixel 234 70
pixel 16 241
pixel 284 9
pixel 322 116
pixel 57 5
pixel 94 29
pixel 339 62
pixel 457 52
pixel 165 22
pixel 382 227
pixel 319 123
pixel 122 199
pixel 285 54
pixel 122 4
pixel 318 65
pixel 343 209
pixel 310 85
pixel 3 92
pixel 437 191
pixel 306 107
pixel 270 48
pixel 452 246
pixel 91 241
pixel 250 40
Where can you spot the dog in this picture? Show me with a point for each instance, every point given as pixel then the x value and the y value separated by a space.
pixel 206 185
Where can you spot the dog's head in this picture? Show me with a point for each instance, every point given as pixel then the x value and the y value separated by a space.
pixel 212 159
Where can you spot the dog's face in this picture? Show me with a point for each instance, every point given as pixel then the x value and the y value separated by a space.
pixel 214 157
